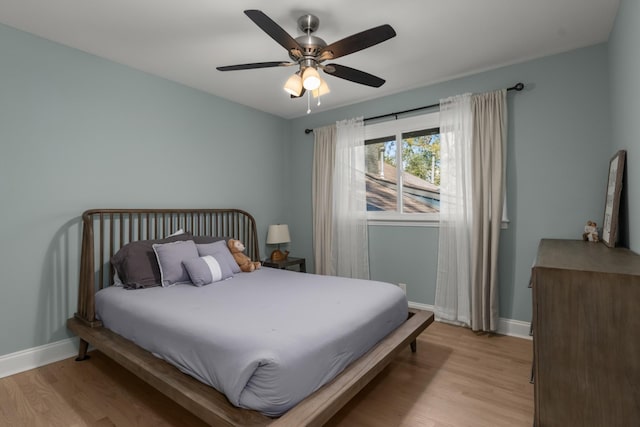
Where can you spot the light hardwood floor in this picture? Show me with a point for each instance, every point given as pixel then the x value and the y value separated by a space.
pixel 456 379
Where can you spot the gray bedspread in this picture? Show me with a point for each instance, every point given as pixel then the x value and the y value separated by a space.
pixel 265 339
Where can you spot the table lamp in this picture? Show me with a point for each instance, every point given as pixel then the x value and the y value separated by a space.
pixel 277 234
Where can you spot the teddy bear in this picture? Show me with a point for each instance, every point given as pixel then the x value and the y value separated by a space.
pixel 237 247
pixel 590 232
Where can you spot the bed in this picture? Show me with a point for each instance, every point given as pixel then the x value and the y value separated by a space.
pixel 247 302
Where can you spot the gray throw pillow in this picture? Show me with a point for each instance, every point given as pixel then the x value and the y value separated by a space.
pixel 221 251
pixel 207 269
pixel 170 257
pixel 208 239
pixel 137 265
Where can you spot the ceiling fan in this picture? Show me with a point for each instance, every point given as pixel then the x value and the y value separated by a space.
pixel 309 52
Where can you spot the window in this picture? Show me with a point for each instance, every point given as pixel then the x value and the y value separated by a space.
pixel 402 160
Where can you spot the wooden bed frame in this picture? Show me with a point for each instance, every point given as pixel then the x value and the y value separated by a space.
pixel 106 230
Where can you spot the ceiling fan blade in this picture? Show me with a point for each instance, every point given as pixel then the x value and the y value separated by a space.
pixel 356 42
pixel 254 65
pixel 353 75
pixel 274 30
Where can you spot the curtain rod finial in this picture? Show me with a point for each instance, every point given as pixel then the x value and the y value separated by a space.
pixel 308 131
pixel 519 86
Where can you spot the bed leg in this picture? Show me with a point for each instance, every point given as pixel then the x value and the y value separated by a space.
pixel 414 346
pixel 82 352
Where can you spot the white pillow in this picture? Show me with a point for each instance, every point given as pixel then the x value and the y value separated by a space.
pixel 177 233
pixel 116 280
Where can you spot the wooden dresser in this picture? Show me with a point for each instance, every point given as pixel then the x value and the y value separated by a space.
pixel 586 327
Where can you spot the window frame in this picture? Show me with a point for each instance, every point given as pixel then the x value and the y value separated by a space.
pixel 398 127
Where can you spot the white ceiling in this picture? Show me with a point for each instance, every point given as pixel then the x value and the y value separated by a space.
pixel 436 40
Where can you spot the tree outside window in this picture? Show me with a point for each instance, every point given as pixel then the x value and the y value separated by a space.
pixel 417 180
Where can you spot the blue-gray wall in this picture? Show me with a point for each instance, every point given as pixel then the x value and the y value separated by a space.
pixel 558 149
pixel 624 63
pixel 79 132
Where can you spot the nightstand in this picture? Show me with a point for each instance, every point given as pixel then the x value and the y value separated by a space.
pixel 289 262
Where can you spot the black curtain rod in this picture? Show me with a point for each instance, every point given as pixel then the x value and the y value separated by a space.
pixel 518 87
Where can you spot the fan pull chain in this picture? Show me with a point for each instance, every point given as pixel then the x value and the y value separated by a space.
pixel 308 102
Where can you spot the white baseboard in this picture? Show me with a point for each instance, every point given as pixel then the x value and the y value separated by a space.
pixel 25 360
pixel 420 306
pixel 513 328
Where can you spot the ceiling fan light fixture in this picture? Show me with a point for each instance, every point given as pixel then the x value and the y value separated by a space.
pixel 293 86
pixel 322 90
pixel 310 79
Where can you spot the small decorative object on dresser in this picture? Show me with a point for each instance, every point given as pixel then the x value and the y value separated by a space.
pixel 590 232
pixel 612 201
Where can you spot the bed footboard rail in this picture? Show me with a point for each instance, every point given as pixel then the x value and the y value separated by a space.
pixel 105 231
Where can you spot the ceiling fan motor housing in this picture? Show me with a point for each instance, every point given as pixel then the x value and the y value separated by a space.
pixel 311 46
pixel 308 23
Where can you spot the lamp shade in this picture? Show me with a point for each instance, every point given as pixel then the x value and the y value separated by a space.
pixel 293 86
pixel 278 233
pixel 322 90
pixel 310 78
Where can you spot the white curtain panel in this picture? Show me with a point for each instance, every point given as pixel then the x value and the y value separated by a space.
pixel 350 241
pixel 473 153
pixel 453 293
pixel 324 154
